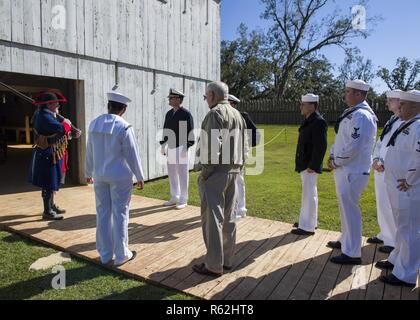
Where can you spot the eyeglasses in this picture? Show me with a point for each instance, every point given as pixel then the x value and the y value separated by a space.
pixel 205 97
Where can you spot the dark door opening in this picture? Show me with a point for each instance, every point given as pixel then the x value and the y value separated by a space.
pixel 16 137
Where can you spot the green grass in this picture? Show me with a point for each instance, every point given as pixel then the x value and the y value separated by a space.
pixel 84 281
pixel 276 193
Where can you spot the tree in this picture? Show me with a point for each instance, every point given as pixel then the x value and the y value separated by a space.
pixel 299 31
pixel 403 76
pixel 314 74
pixel 244 66
pixel 356 67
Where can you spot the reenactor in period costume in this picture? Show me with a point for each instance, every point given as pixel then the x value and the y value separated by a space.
pixel 178 138
pixel 112 159
pixel 220 156
pixel 386 219
pixel 351 160
pixel 311 149
pixel 51 140
pixel 253 138
pixel 402 177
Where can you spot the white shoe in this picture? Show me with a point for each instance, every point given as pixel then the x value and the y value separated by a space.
pixel 170 203
pixel 181 206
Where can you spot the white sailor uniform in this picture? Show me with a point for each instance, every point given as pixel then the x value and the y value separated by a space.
pixel 403 162
pixel 352 155
pixel 386 219
pixel 112 158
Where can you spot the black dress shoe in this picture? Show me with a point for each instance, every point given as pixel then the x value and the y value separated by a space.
pixel 227 268
pixel 334 245
pixel 301 232
pixel 296 225
pixel 384 265
pixel 374 240
pixel 386 249
pixel 394 281
pixel 58 210
pixel 52 216
pixel 344 259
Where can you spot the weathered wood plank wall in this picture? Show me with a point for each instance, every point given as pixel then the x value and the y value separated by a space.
pixel 147 46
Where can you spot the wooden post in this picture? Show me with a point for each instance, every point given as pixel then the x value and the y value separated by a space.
pixel 27 130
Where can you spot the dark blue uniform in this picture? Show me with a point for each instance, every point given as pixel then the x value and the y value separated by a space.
pixel 44 172
pixel 312 144
pixel 172 122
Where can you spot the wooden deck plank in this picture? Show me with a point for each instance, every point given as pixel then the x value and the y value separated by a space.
pixel 181 257
pixel 182 274
pixel 235 286
pixel 298 268
pixel 310 278
pixel 345 281
pixel 269 263
pixel 255 239
pixel 270 279
pixel 392 292
pixel 362 273
pixel 375 287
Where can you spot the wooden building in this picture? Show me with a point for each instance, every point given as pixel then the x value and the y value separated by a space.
pixel 85 47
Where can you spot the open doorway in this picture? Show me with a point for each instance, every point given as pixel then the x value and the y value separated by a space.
pixel 16 137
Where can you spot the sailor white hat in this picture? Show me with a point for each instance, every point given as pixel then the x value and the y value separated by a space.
pixel 118 97
pixel 413 95
pixel 394 94
pixel 233 98
pixel 175 93
pixel 310 97
pixel 358 85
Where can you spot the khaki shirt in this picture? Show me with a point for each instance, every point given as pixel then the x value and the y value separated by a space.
pixel 223 143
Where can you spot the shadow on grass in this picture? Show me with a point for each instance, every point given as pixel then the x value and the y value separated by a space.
pixel 36 286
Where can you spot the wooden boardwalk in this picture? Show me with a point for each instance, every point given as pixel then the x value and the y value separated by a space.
pixel 270 262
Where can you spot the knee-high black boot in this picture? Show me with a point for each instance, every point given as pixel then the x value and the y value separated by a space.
pixel 55 207
pixel 49 213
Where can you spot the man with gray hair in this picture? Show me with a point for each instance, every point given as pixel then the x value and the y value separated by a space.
pixel 220 156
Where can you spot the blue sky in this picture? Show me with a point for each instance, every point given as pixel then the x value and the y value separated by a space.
pixel 398 34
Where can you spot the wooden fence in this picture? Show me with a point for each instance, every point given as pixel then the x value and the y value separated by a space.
pixel 267 111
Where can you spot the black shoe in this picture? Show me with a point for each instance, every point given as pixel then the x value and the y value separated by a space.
pixel 334 245
pixel 227 268
pixel 55 207
pixel 386 249
pixel 384 265
pixel 52 216
pixel 394 281
pixel 296 225
pixel 49 213
pixel 374 240
pixel 58 210
pixel 301 232
pixel 344 259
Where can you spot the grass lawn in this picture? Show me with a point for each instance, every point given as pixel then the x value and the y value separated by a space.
pixel 83 280
pixel 276 193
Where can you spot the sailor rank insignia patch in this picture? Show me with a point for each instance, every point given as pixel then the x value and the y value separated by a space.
pixel 356 134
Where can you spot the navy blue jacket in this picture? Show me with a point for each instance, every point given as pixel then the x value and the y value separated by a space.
pixel 43 172
pixel 172 122
pixel 312 144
